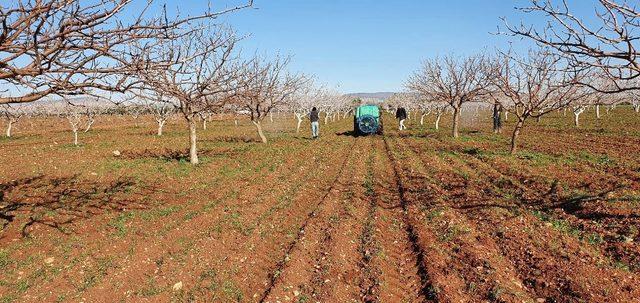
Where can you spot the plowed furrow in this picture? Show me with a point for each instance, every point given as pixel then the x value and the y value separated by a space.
pixel 554 265
pixel 474 255
pixel 293 272
pixel 399 277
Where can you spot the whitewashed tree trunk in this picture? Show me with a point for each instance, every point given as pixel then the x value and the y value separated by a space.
pixel 271 117
pixel 204 124
pixel 9 126
pixel 299 118
pixel 89 124
pixel 326 118
pixel 259 129
pixel 193 150
pixel 506 115
pixel 438 120
pixel 75 136
pixel 160 126
pixel 597 111
pixel 576 115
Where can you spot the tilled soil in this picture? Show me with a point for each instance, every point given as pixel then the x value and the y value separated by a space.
pixel 404 217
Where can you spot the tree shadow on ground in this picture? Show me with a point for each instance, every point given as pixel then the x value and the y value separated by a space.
pixel 57 202
pixel 348 133
pixel 232 139
pixel 176 155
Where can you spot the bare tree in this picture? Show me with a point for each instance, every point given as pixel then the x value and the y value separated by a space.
pixel 455 81
pixel 76 117
pixel 90 114
pixel 158 105
pixel 609 45
pixel 266 85
pixel 197 71
pixel 12 114
pixel 534 86
pixel 205 116
pixel 72 47
pixel 301 103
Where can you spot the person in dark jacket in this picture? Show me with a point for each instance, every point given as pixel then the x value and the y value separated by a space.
pixel 401 115
pixel 314 117
pixel 497 120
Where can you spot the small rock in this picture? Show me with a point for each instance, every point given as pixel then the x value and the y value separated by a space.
pixel 296 293
pixel 177 286
pixel 49 260
pixel 540 300
pixel 116 153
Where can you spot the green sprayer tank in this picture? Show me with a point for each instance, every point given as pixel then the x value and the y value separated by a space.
pixel 367 120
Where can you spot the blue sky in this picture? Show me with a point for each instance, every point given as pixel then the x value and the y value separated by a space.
pixel 371 45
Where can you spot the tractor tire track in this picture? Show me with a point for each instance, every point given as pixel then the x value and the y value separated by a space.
pixel 275 277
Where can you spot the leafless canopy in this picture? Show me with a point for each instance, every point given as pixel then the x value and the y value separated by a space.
pixel 198 70
pixel 534 86
pixel 452 80
pixel 68 47
pixel 609 44
pixel 267 84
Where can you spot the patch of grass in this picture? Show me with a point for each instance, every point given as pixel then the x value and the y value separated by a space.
pixel 23 285
pixel 602 160
pixel 622 266
pixel 4 258
pixel 433 214
pixel 495 293
pixel 451 232
pixel 536 158
pixel 159 212
pixel 119 223
pixel 594 239
pixel 231 291
pixel 150 289
pixel 8 298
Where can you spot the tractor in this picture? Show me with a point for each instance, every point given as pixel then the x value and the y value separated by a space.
pixel 367 120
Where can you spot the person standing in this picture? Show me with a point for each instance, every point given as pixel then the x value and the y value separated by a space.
pixel 497 120
pixel 401 115
pixel 314 117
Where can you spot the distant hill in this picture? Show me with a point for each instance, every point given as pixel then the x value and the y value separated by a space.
pixel 378 95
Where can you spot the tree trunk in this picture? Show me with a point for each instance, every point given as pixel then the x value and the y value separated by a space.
pixel 271 117
pixel 235 121
pixel 597 111
pixel 204 124
pixel 9 126
pixel 576 119
pixel 455 131
pixel 497 122
pixel 299 123
pixel 259 129
pixel 422 119
pixel 438 120
pixel 193 150
pixel 326 118
pixel 515 135
pixel 506 116
pixel 160 126
pixel 75 137
pixel 89 125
